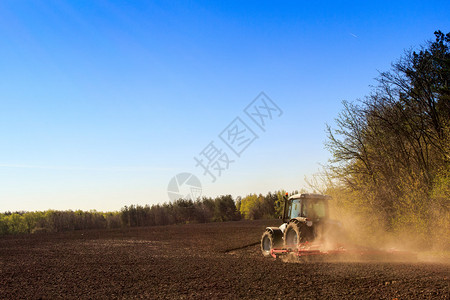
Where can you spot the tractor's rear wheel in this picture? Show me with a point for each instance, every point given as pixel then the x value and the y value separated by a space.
pixel 294 235
pixel 267 243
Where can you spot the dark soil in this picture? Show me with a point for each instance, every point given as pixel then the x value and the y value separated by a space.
pixel 217 260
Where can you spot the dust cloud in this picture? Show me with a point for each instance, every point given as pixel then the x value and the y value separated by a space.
pixel 362 238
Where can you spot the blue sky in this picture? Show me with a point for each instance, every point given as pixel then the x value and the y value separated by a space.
pixel 103 102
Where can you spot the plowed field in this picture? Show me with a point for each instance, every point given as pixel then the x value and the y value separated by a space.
pixel 202 261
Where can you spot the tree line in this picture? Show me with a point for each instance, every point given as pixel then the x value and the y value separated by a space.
pixel 182 211
pixel 56 221
pixel 219 209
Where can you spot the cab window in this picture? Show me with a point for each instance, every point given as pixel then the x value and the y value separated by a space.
pixel 295 209
pixel 314 209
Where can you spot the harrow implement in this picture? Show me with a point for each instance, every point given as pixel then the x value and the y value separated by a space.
pixel 318 250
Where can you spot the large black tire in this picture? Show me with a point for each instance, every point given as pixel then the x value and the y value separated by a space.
pixel 295 233
pixel 268 242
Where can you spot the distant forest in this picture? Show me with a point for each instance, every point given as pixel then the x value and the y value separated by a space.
pixel 219 209
pixel 390 165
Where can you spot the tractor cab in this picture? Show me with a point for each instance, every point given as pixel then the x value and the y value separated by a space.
pixel 311 206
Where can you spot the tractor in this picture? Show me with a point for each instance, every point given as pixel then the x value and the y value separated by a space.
pixel 306 223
